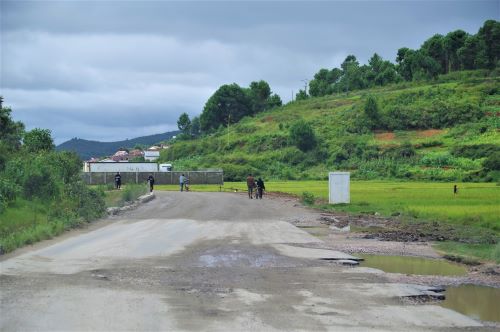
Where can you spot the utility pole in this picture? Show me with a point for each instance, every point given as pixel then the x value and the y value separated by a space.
pixel 228 121
pixel 306 82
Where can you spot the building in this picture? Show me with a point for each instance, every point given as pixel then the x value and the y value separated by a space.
pixel 120 155
pixel 151 155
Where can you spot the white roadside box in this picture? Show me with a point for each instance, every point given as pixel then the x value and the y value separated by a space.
pixel 338 185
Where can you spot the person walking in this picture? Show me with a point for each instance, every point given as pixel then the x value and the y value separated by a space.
pixel 118 181
pixel 182 181
pixel 250 185
pixel 260 187
pixel 151 181
pixel 455 190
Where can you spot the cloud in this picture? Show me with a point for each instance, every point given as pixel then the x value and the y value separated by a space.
pixel 110 70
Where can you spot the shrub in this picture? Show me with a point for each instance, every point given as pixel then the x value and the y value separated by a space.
pixel 492 163
pixel 302 136
pixel 308 198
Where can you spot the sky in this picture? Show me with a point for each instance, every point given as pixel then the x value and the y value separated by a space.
pixel 112 70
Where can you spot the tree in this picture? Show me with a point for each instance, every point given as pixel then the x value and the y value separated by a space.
pixel 228 104
pixel 473 54
pixel 38 140
pixel 301 95
pixel 302 136
pixel 11 134
pixel 403 59
pixel 184 123
pixel 274 101
pixel 372 111
pixel 490 34
pixel 435 48
pixel 452 43
pixel 324 82
pixel 259 93
pixel 195 126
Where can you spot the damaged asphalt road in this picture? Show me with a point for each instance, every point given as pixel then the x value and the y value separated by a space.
pixel 207 262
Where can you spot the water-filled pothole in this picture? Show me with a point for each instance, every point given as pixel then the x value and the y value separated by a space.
pixel 479 302
pixel 413 265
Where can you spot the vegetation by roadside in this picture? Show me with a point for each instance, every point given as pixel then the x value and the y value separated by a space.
pixel 41 193
pixel 128 193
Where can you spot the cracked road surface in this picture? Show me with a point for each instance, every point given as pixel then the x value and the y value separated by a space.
pixel 206 262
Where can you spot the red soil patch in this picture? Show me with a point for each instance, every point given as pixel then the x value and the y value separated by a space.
pixel 429 133
pixel 385 136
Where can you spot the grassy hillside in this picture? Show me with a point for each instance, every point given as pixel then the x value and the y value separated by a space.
pixel 438 131
pixel 88 149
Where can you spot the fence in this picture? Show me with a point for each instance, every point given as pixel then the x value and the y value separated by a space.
pixel 195 177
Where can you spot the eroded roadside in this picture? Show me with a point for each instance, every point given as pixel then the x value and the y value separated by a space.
pixel 335 232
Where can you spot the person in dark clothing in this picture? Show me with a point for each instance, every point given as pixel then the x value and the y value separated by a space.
pixel 455 189
pixel 151 181
pixel 260 187
pixel 118 181
pixel 250 185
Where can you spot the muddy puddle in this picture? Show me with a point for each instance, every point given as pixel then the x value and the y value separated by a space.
pixel 412 265
pixel 479 302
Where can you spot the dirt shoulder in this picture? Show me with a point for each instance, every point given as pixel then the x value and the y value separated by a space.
pixel 389 237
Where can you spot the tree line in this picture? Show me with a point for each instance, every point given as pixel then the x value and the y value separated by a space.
pixel 229 104
pixel 455 51
pixel 439 54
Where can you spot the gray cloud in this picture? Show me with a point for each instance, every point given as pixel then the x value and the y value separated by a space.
pixel 117 69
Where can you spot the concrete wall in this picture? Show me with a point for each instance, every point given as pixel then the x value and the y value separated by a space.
pixel 195 177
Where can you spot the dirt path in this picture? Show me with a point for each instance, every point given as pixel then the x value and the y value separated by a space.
pixel 210 262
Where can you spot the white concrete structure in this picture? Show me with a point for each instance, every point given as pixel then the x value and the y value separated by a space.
pixel 165 167
pixel 339 187
pixel 151 155
pixel 119 167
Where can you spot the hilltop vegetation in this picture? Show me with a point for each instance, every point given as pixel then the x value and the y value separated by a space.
pixel 442 130
pixel 427 117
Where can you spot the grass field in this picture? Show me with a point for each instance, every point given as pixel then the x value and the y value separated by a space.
pixel 475 204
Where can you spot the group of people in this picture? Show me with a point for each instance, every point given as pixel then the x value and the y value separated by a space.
pixel 255 186
pixel 118 181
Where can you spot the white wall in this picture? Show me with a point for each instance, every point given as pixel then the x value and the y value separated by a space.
pixel 339 187
pixel 122 167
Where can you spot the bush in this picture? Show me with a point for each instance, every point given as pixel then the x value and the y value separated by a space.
pixel 302 136
pixel 475 151
pixel 492 163
pixel 308 198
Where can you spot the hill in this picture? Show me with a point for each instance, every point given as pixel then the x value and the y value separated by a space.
pixel 87 149
pixel 442 130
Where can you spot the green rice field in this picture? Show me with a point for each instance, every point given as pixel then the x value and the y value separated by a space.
pixel 476 204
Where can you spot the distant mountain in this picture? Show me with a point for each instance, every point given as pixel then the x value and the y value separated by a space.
pixel 87 149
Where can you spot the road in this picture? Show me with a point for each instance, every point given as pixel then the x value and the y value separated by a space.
pixel 205 262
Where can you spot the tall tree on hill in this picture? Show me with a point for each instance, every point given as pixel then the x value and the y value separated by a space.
pixel 473 54
pixel 403 60
pixel 195 126
pixel 259 93
pixel 435 48
pixel 490 34
pixel 228 104
pixel 184 124
pixel 324 82
pixel 452 43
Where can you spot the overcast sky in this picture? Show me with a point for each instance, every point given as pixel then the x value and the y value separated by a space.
pixel 110 70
